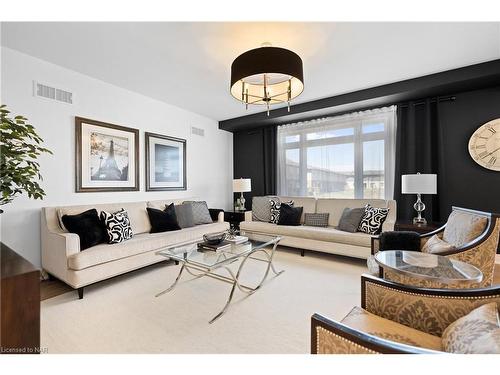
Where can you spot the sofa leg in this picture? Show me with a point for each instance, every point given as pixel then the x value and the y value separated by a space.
pixel 176 262
pixel 50 277
pixel 302 252
pixel 80 293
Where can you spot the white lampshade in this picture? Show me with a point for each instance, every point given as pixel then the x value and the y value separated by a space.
pixel 242 185
pixel 419 184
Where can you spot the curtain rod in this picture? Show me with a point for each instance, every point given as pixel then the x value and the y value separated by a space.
pixel 442 99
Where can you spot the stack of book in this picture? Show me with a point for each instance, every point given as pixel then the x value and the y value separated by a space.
pixel 205 246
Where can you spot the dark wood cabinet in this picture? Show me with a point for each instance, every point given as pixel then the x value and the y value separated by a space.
pixel 20 304
pixel 234 218
pixel 419 228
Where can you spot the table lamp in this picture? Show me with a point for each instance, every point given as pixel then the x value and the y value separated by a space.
pixel 419 184
pixel 242 185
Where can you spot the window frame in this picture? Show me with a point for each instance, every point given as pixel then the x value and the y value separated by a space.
pixel 358 138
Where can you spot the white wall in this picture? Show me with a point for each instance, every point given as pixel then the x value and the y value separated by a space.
pixel 209 158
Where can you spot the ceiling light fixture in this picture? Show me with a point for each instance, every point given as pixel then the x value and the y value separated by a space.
pixel 267 75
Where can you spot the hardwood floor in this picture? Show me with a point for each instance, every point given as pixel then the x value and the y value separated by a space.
pixel 53 288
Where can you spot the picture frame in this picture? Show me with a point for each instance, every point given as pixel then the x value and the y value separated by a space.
pixel 165 163
pixel 106 157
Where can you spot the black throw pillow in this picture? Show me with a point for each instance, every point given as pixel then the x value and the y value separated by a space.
pixel 402 240
pixel 289 215
pixel 163 221
pixel 88 226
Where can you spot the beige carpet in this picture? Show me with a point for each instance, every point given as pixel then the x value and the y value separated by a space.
pixel 123 316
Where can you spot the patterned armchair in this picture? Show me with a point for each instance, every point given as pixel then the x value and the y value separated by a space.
pixel 475 236
pixel 395 318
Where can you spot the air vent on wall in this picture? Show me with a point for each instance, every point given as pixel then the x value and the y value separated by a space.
pixel 48 92
pixel 197 131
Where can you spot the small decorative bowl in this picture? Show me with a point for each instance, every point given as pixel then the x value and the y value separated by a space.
pixel 214 238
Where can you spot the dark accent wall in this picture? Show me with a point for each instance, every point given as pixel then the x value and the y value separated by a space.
pixel 467 183
pixel 254 157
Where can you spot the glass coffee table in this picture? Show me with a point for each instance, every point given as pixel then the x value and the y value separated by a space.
pixel 205 263
pixel 425 266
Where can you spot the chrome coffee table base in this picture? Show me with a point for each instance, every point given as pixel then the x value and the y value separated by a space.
pixel 232 278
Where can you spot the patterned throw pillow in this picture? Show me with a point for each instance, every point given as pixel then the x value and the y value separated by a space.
pixel 372 220
pixel 117 226
pixel 436 245
pixel 470 333
pixel 201 215
pixel 275 205
pixel 261 208
pixel 316 220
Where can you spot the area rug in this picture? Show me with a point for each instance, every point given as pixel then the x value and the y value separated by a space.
pixel 122 315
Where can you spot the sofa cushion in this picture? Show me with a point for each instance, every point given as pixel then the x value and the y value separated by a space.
pixel 350 219
pixel 289 215
pixel 136 211
pixel 117 226
pixel 275 209
pixel 90 229
pixel 139 244
pixel 372 324
pixel 316 220
pixel 261 208
pixel 462 227
pixel 308 205
pixel 201 215
pixel 163 220
pixel 328 234
pixel 336 207
pixel 436 245
pixel 470 333
pixel 372 220
pixel 185 218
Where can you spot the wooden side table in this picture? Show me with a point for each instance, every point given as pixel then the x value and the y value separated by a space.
pixel 234 218
pixel 419 228
pixel 19 304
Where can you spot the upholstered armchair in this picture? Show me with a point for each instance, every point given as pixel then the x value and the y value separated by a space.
pixel 395 318
pixel 474 236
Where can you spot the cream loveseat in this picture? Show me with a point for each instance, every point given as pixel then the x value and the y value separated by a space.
pixel 62 258
pixel 329 239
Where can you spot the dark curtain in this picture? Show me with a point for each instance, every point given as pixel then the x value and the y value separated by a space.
pixel 270 157
pixel 418 149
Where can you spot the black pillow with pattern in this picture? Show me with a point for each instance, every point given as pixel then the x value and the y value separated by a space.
pixel 117 226
pixel 372 220
pixel 275 205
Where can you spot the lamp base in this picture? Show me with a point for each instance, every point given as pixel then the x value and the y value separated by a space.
pixel 419 221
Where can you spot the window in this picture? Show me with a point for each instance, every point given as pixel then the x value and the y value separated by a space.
pixel 349 156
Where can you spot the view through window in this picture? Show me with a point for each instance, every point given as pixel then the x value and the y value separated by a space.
pixel 349 156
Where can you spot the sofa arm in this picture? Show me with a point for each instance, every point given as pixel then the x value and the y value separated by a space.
pixel 56 248
pixel 427 310
pixel 331 337
pixel 248 215
pixel 388 226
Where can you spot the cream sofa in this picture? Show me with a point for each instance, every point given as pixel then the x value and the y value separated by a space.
pixel 62 258
pixel 328 240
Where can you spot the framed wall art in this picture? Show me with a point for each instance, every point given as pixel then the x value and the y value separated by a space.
pixel 165 163
pixel 107 157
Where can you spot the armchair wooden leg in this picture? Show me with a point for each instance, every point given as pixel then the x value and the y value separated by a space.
pixel 80 293
pixel 302 252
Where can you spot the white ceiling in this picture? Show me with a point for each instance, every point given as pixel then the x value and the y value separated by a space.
pixel 188 64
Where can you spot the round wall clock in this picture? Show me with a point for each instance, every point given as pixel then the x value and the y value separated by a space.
pixel 484 145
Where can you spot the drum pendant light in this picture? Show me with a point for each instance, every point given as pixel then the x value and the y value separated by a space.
pixel 266 76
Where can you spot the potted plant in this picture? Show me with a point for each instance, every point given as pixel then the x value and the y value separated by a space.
pixel 20 147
